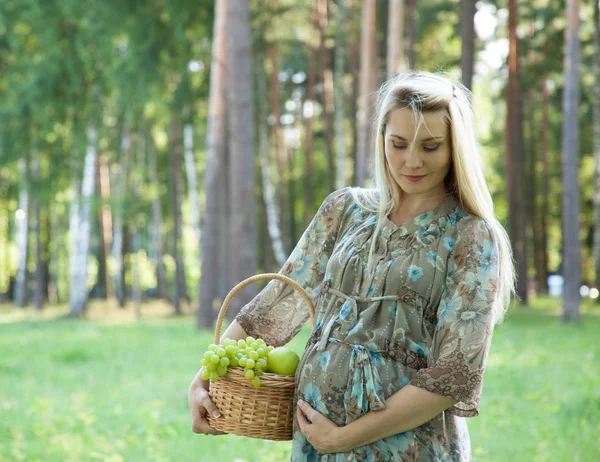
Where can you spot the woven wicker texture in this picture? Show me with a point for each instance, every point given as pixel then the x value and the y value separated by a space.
pixel 264 412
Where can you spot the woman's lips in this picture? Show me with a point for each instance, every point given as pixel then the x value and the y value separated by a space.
pixel 414 178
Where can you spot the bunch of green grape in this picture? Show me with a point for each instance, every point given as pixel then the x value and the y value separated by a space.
pixel 251 354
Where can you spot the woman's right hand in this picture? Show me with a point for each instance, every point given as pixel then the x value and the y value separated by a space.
pixel 199 404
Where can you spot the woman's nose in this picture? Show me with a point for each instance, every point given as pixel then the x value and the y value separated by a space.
pixel 413 159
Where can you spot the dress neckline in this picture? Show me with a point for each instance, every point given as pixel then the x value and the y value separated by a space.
pixel 422 220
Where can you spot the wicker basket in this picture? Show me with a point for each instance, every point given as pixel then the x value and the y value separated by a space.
pixel 264 412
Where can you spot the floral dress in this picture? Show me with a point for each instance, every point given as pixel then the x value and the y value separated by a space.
pixel 423 316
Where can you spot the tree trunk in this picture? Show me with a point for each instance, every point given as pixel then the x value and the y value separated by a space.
pixel 273 228
pixel 240 93
pixel 192 180
pixel 411 32
pixel 571 262
pixel 174 171
pixel 467 36
pixel 105 223
pixel 340 97
pixel 396 61
pixel 22 235
pixel 79 281
pixel 545 192
pixel 596 115
pixel 327 81
pixel 214 227
pixel 118 247
pixel 4 240
pixel 38 297
pixel 279 152
pixel 309 141
pixel 368 86
pixel 515 166
pixel 353 64
pixel 158 231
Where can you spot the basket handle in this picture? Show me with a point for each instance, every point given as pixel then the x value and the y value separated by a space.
pixel 250 280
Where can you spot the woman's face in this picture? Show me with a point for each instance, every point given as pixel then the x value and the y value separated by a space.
pixel 420 168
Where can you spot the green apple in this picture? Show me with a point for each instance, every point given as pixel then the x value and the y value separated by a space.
pixel 282 361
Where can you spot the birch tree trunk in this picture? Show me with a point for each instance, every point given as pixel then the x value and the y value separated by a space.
pixel 241 121
pixel 192 181
pixel 515 166
pixel 22 232
pixel 340 97
pixel 175 194
pixel 137 175
pixel 467 37
pixel 263 149
pixel 596 115
pixel 396 60
pixel 571 206
pixel 277 144
pixel 158 231
pixel 79 281
pixel 368 85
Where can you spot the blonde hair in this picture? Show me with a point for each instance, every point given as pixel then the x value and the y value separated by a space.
pixel 428 92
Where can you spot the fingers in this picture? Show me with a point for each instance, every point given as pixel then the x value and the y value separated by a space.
pixel 199 403
pixel 308 411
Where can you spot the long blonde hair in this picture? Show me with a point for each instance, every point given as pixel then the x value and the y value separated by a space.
pixel 428 92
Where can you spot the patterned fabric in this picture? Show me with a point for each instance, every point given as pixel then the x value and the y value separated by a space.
pixel 423 316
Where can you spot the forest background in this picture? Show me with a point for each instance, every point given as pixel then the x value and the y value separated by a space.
pixel 154 154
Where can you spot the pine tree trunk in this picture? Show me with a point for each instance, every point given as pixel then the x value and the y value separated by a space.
pixel 105 224
pixel 515 166
pixel 38 297
pixel 368 86
pixel 118 238
pixel 571 206
pixel 396 61
pixel 22 234
pixel 545 192
pixel 353 64
pixel 340 97
pixel 4 240
pixel 158 233
pixel 596 119
pixel 411 32
pixel 327 81
pixel 79 281
pixel 242 241
pixel 214 227
pixel 174 194
pixel 309 140
pixel 467 36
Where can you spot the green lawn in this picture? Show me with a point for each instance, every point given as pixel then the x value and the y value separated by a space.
pixel 113 389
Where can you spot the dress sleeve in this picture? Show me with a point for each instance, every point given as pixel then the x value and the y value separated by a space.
pixel 465 320
pixel 278 312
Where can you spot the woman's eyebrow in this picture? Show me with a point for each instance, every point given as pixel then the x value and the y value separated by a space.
pixel 431 138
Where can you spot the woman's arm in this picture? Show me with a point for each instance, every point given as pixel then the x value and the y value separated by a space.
pixel 406 409
pixel 234 332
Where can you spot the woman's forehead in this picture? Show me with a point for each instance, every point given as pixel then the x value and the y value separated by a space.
pixel 403 123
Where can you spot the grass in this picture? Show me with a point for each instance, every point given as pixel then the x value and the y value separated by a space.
pixel 113 388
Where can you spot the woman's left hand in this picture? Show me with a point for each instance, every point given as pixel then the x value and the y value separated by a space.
pixel 324 435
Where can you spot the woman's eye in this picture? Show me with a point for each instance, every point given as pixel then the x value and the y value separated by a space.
pixel 399 146
pixel 431 148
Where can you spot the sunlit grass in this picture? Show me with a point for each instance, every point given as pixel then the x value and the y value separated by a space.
pixel 114 388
